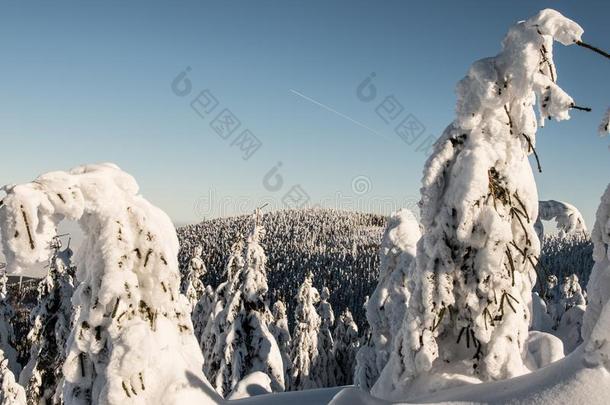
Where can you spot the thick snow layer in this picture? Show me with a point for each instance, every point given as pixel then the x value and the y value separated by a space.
pixel 133 340
pixel 254 384
pixel 11 393
pixel 309 397
pixel 470 307
pixel 567 217
pixel 385 309
pixel 596 321
pixel 569 381
pixel 7 335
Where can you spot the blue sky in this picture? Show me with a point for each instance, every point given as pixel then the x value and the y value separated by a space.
pixel 92 81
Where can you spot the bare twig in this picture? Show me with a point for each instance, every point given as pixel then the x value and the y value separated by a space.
pixel 529 142
pixel 577 107
pixel 593 48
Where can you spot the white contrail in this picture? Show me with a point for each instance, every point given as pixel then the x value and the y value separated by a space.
pixel 332 110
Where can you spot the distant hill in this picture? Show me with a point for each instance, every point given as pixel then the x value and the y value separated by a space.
pixel 339 247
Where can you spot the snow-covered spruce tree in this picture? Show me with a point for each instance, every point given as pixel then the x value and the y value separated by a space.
pixel 346 347
pixel 7 334
pixel 51 322
pixel 323 370
pixel 567 217
pixel 571 293
pixel 212 340
pixel 386 307
pixel 133 340
pixel 249 346
pixel 469 309
pixel 202 310
pixel 305 336
pixel 281 333
pixel 569 313
pixel 193 287
pixel 11 393
pixel 596 322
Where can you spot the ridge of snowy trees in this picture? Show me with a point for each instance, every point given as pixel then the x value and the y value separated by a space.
pixel 340 248
pixel 469 310
pixel 128 289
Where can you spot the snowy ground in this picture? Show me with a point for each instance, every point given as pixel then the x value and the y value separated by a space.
pixel 569 381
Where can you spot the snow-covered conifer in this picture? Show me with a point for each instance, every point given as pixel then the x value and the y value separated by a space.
pixel 51 322
pixel 572 293
pixel 346 347
pixel 567 217
pixel 323 370
pixel 7 334
pixel 386 307
pixel 305 336
pixel 11 393
pixel 470 304
pixel 281 333
pixel 193 286
pixel 201 312
pixel 212 339
pixel 131 309
pixel 596 322
pixel 249 346
pixel 366 371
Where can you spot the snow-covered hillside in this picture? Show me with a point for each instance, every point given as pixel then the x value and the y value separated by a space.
pixel 339 248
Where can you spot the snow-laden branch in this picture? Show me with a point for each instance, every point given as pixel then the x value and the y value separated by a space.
pixel 566 216
pixel 133 341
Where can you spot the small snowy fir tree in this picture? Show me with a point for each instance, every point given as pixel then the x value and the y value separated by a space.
pixel 323 370
pixel 131 310
pixel 212 340
pixel 346 347
pixel 7 334
pixel 305 336
pixel 596 322
pixel 569 313
pixel 193 286
pixel 469 310
pixel 249 346
pixel 567 217
pixel 11 393
pixel 571 293
pixel 281 333
pixel 202 310
pixel 385 309
pixel 51 325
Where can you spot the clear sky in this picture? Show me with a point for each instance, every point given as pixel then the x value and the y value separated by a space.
pixel 92 81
